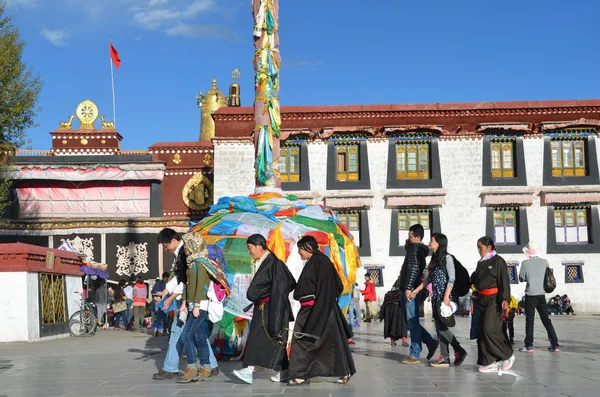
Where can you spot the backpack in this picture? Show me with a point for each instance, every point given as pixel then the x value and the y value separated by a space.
pixel 462 281
pixel 549 280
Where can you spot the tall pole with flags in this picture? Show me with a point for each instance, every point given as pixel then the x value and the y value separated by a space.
pixel 267 117
pixel 114 58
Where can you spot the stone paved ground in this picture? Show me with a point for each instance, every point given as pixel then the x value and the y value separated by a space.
pixel 121 364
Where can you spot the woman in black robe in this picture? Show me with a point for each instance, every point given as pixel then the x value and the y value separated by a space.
pixel 320 340
pixel 493 294
pixel 269 292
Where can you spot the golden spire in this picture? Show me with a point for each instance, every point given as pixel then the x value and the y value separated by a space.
pixel 209 103
pixel 234 90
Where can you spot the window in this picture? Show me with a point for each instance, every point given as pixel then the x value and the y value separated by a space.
pixel 347 165
pixel 573 272
pixel 505 226
pixel 289 163
pixel 513 273
pixel 412 160
pixel 376 273
pixel 352 221
pixel 407 218
pixel 568 157
pixel 571 225
pixel 502 155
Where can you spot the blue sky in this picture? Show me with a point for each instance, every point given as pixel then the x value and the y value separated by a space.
pixel 334 52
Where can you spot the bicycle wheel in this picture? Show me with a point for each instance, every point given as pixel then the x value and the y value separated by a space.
pixel 87 321
pixel 76 328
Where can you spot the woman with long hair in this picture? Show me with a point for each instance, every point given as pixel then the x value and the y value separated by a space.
pixel 493 294
pixel 320 339
pixel 441 274
pixel 269 292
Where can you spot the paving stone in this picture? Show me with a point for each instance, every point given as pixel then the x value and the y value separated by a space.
pixel 121 364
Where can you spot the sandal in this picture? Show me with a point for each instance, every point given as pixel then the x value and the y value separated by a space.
pixel 298 382
pixel 343 380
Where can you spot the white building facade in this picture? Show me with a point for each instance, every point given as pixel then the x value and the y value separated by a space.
pixel 517 172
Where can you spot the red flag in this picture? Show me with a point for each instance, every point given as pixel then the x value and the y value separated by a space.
pixel 114 55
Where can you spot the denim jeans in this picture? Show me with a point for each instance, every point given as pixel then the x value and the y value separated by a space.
pixel 171 363
pixel 161 319
pixel 128 314
pixel 418 334
pixel 194 339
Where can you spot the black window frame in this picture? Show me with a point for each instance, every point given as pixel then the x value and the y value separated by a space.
pixel 435 227
pixel 591 160
pixel 364 179
pixel 520 170
pixel 593 246
pixel 522 229
pixel 435 173
pixel 304 182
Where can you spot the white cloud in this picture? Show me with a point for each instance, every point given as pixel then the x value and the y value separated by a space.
pixel 154 3
pixel 155 19
pixel 56 37
pixel 202 31
pixel 198 7
pixel 160 14
pixel 22 3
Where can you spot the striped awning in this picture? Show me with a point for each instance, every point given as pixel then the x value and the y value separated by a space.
pixel 504 126
pixel 348 202
pixel 404 201
pixel 501 199
pixel 571 198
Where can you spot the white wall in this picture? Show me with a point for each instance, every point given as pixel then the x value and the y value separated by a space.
pixel 15 306
pixel 233 169
pixel 463 218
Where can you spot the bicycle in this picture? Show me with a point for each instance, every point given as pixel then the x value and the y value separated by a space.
pixel 83 322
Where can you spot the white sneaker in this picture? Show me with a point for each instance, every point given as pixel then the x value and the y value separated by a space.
pixel 489 368
pixel 280 376
pixel 244 374
pixel 507 364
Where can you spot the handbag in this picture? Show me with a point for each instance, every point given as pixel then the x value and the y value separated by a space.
pixel 549 280
pixel 119 307
pixel 215 302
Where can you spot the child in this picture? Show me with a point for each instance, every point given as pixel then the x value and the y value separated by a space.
pixel 140 294
pixel 508 323
pixel 370 297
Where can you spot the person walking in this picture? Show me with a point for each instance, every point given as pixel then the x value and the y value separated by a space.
pixel 410 277
pixel 533 271
pixel 493 294
pixel 319 341
pixel 441 275
pixel 269 292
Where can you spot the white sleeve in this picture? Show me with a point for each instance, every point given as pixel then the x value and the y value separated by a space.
pixel 179 290
pixel 171 285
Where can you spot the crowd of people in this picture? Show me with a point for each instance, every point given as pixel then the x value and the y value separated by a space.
pixel 492 306
pixel 319 343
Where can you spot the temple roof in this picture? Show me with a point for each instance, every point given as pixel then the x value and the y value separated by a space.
pixel 451 119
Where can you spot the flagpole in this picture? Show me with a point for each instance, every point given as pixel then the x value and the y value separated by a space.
pixel 112 79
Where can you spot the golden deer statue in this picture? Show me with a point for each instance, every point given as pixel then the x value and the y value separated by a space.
pixel 66 124
pixel 107 124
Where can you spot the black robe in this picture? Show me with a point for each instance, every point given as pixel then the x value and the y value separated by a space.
pixel 270 321
pixel 393 315
pixel 492 342
pixel 320 341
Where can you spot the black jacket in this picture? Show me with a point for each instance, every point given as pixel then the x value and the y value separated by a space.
pixel 413 266
pixel 180 269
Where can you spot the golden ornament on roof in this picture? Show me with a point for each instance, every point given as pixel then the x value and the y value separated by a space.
pixel 87 113
pixel 209 103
